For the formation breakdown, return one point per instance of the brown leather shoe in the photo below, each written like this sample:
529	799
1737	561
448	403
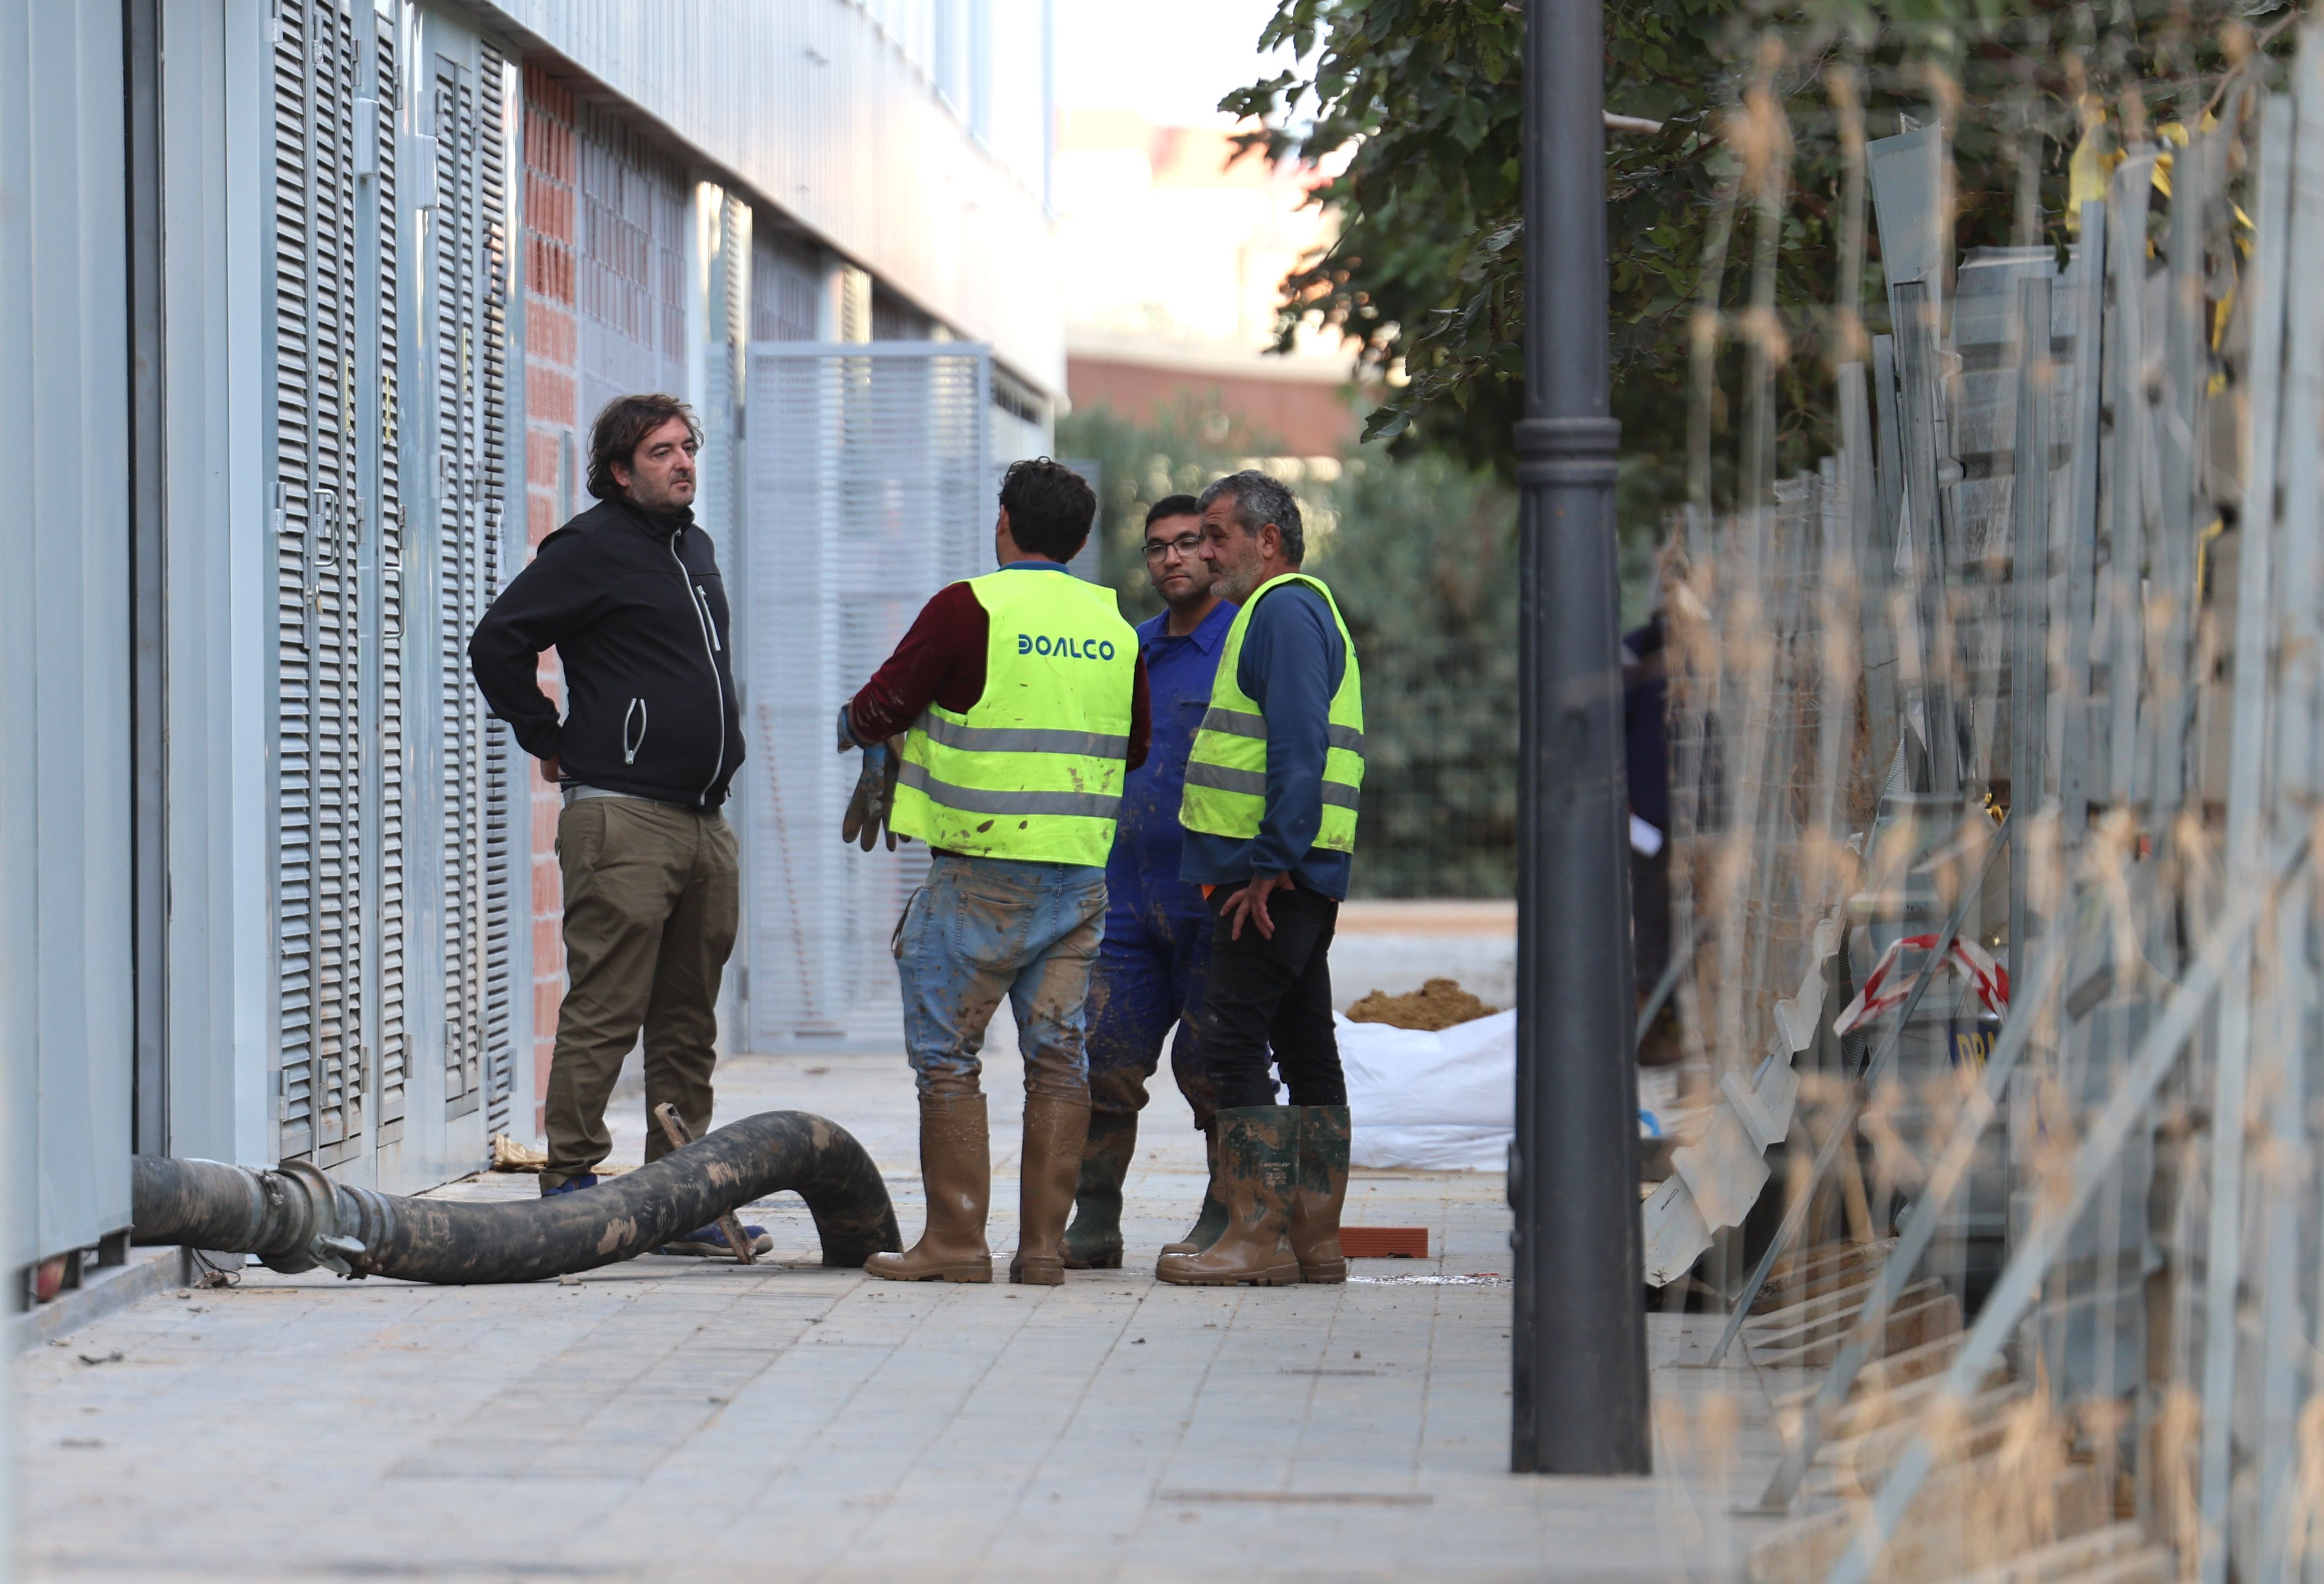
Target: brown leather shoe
1322	1189
1258	1161
957	1165
1055	1132
1093	1239
1212	1219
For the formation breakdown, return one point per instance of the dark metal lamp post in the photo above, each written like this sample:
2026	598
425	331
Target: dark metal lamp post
1579	1336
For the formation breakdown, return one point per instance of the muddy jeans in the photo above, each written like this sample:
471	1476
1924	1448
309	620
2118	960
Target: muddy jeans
652	895
981	928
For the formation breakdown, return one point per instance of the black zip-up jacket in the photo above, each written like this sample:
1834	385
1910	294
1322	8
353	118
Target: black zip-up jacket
633	606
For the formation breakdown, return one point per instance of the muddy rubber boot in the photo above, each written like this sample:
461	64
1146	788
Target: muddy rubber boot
1320	1190
1056	1130
1259	1163
957	1167
1093	1242
1212	1219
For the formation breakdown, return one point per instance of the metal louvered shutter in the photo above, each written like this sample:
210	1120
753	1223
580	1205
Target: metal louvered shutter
869	491
394	1063
469	266
317	517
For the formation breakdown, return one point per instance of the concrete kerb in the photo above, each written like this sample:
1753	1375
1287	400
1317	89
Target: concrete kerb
103	1290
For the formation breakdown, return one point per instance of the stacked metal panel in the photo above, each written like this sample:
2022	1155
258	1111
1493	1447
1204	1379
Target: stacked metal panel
869	491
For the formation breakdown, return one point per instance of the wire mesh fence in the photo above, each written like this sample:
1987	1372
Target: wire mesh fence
1995	765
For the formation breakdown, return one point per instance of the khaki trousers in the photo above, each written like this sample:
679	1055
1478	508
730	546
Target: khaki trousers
652	896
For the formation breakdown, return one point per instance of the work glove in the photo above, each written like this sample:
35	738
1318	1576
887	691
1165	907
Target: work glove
874	797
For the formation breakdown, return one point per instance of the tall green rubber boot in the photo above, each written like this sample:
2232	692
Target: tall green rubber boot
1093	1242
1212	1219
1321	1192
1259	1168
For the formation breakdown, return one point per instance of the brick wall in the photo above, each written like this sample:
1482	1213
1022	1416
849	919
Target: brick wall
554	453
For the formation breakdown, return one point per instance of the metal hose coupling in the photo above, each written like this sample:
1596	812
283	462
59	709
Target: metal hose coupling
297	1217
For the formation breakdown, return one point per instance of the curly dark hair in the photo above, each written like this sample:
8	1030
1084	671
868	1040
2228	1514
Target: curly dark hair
1050	508
624	422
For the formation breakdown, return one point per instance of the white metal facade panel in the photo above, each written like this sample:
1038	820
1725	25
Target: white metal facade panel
65	817
216	137
814	105
869	490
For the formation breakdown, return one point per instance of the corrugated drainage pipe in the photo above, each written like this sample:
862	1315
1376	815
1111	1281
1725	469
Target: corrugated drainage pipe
298	1216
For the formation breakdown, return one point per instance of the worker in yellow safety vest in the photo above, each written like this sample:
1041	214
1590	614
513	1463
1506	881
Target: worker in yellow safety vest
1270	816
1020	701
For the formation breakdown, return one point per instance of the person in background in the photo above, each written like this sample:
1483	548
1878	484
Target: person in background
629	595
1271	814
1645	730
1156	951
1021	703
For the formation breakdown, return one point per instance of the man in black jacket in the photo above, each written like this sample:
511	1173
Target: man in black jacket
629	595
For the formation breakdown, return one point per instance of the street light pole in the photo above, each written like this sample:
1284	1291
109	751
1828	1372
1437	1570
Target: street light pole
1580	1344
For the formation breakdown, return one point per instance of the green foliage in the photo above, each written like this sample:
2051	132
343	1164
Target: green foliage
1421	553
1417	105
1176	453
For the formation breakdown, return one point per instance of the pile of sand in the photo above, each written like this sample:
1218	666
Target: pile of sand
1438	1004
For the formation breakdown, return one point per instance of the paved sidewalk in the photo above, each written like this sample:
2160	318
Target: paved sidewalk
680	1420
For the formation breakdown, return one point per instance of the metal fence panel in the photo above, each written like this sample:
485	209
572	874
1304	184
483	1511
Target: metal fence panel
867	492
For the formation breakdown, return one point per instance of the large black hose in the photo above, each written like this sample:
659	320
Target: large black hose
298	1216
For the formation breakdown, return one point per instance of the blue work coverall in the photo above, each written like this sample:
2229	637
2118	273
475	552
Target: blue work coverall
1157	951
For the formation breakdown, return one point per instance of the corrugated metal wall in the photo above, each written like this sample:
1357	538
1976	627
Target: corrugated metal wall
65	1024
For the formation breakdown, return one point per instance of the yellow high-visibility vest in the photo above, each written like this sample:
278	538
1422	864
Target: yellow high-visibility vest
1226	774
1035	770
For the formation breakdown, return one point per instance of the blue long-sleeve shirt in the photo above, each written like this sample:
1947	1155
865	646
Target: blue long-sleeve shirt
1292	663
1149	844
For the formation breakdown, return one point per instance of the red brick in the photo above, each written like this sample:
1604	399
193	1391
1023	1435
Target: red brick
548	332
542	456
549	393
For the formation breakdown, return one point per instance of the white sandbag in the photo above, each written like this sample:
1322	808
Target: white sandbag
1442	1101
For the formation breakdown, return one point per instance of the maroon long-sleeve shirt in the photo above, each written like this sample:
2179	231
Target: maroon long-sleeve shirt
941	661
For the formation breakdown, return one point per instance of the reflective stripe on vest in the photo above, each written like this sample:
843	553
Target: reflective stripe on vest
1226	774
1033	772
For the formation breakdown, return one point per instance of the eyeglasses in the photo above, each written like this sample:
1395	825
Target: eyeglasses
1185	545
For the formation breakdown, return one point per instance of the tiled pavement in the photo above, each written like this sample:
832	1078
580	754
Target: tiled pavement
691	1420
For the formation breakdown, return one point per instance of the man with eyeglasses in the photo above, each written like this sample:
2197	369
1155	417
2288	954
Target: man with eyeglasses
1151	965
